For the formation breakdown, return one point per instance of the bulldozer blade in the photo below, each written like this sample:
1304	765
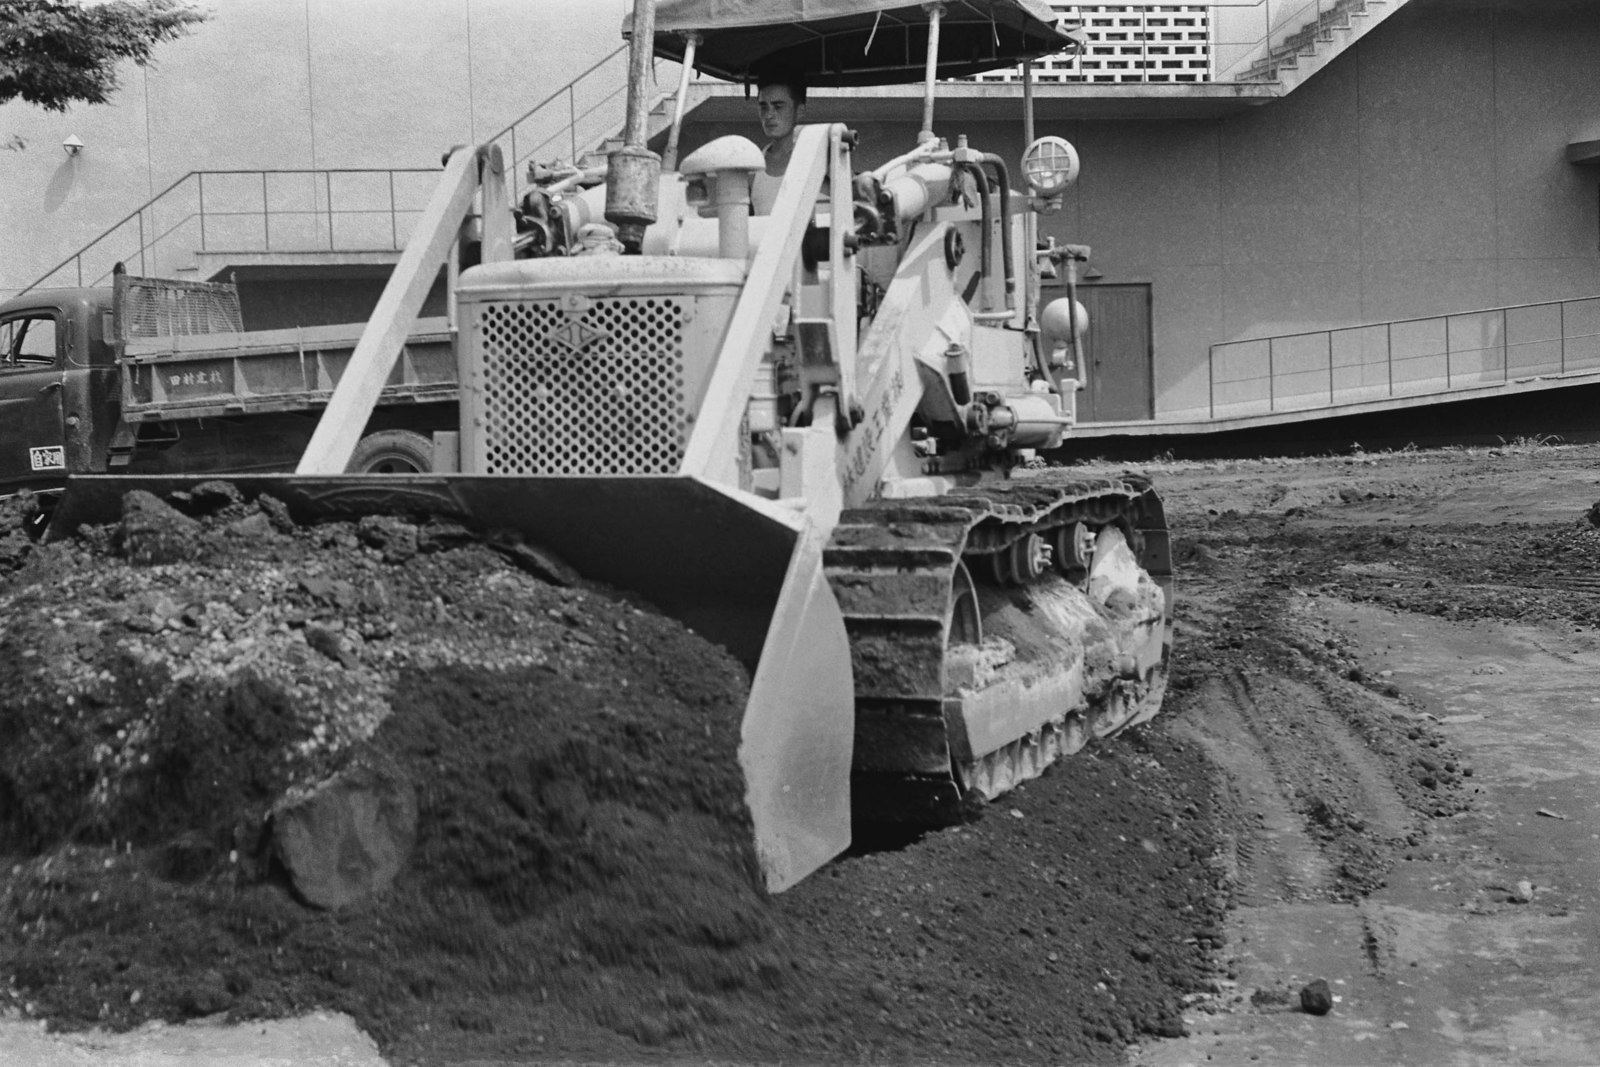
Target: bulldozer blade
738	570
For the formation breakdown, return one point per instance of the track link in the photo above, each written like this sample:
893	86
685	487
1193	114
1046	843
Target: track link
899	569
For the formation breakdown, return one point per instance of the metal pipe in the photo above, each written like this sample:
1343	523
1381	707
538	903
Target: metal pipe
1003	175
1330	367
1027	102
633	171
930	72
1272	392
1211	380
669	158
985	227
1388	353
641	47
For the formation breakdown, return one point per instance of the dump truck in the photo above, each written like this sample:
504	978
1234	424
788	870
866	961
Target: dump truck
158	375
811	435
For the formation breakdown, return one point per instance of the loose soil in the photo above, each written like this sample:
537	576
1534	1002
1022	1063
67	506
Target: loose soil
582	887
582	884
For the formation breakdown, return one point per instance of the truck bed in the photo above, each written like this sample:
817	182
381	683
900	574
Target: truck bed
208	375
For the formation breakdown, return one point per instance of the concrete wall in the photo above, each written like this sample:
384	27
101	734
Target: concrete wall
1423	171
288	84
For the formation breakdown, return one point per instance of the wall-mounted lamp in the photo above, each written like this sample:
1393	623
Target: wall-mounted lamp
72	145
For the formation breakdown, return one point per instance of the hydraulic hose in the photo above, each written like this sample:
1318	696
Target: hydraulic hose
1004	176
985	241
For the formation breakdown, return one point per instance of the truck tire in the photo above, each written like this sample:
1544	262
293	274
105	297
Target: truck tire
392	452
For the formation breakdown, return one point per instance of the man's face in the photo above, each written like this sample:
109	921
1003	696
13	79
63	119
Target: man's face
778	111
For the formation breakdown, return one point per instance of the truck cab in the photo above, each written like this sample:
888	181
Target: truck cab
57	386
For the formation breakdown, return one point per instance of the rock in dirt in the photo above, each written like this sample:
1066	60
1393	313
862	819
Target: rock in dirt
349	837
1316	998
153	531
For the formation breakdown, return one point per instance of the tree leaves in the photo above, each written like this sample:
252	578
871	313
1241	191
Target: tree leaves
54	53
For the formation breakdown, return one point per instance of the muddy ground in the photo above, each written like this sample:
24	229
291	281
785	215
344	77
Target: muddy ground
579	888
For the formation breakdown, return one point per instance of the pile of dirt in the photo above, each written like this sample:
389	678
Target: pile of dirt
582	882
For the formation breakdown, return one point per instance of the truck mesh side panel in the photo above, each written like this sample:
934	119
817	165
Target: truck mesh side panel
601	392
160	307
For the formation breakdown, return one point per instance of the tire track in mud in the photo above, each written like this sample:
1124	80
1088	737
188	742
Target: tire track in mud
1317	812
1272	857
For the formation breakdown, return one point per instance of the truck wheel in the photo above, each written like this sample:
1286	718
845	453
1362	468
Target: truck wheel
392	452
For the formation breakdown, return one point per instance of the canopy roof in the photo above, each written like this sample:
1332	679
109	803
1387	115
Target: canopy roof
854	42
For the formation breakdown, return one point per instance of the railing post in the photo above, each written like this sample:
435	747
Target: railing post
327	188
1330	368
266	215
143	269
514	167
1211	380
203	211
1272	385
572	122
394	226
1388	352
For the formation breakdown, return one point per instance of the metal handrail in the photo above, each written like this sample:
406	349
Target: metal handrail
144	249
1297	371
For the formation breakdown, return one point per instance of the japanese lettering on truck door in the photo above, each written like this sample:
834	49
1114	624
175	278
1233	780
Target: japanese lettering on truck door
32	436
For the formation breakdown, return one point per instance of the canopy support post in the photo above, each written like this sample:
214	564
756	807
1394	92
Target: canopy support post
935	13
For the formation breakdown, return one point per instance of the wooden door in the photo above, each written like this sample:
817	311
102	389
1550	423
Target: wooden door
1119	355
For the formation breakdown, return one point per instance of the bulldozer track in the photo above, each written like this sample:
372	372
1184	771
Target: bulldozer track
898	568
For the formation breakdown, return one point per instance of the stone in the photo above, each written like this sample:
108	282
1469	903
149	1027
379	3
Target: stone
331	643
253	527
395	539
1316	998
154	532
349	837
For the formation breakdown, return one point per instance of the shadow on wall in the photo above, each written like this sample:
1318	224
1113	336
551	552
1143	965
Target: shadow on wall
61	183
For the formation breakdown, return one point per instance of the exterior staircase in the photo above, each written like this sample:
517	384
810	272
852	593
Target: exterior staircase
1306	35
339	222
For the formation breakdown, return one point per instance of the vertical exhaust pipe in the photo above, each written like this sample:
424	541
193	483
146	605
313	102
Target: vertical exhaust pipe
633	171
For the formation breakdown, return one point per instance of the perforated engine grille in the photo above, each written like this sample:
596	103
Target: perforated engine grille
592	389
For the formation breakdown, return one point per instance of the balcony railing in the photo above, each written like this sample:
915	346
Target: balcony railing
331	210
1220	41
1407	357
254	212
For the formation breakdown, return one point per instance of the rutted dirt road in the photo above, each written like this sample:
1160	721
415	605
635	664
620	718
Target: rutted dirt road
1394	661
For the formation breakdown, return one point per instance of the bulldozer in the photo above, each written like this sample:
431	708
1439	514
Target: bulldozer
812	435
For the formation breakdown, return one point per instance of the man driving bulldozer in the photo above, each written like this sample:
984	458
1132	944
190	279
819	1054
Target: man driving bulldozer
780	105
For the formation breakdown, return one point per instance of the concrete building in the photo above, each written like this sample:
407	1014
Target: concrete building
1350	163
1438	157
283	85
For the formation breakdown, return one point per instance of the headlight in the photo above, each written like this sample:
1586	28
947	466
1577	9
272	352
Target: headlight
1050	165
